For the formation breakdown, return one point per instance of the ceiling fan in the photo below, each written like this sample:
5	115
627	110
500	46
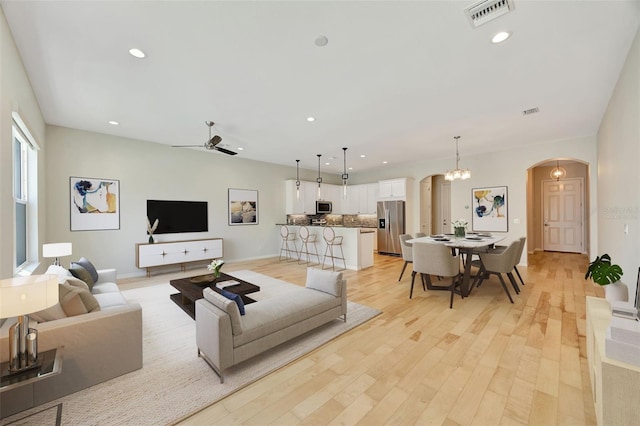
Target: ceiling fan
212	143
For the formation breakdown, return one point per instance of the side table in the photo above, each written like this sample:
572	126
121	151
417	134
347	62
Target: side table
16	391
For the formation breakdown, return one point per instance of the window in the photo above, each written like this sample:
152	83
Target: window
24	181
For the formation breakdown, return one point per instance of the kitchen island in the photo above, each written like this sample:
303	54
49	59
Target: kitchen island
357	245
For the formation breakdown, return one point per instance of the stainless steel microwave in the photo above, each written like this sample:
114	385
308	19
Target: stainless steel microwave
323	207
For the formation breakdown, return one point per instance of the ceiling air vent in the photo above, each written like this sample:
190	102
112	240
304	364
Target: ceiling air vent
484	11
530	111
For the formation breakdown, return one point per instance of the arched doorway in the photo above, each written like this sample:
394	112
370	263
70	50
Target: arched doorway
558	206
435	205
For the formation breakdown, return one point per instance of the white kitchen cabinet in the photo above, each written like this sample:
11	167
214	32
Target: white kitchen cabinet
372	198
305	203
393	189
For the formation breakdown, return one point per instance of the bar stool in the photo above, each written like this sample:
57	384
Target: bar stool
307	239
287	238
333	242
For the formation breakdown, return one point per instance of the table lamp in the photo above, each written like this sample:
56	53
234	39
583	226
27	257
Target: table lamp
20	296
56	250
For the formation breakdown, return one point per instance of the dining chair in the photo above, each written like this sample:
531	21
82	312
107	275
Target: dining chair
498	264
523	244
407	251
435	259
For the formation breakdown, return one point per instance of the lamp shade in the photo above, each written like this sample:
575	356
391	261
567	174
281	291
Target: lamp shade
56	250
23	295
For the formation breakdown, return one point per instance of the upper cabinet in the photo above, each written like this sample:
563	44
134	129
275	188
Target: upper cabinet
393	189
361	199
303	203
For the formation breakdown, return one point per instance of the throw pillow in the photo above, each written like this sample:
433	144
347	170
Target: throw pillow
325	281
76	301
80	272
76	282
89	267
236	298
62	273
50	314
225	305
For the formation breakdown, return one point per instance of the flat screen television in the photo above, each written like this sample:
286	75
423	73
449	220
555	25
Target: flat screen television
178	216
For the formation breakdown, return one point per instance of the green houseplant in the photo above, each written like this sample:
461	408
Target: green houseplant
602	272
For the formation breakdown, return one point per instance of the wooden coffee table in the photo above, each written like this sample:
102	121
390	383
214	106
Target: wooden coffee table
191	290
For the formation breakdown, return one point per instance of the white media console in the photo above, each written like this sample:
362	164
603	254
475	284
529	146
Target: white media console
177	253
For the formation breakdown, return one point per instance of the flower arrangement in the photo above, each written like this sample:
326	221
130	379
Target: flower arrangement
459	227
215	267
152	229
459	223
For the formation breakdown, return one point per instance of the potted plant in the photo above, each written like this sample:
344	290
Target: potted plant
602	272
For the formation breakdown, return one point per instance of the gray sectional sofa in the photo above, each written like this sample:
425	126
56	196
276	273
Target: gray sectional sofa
104	343
282	312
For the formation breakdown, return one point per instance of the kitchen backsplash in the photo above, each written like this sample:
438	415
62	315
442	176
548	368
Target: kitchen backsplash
356	220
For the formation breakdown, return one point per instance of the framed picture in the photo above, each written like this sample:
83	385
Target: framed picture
94	204
490	209
243	207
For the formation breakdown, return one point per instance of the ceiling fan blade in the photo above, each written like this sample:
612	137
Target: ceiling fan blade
186	146
214	140
226	151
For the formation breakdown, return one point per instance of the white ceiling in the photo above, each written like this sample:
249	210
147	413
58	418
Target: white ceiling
396	81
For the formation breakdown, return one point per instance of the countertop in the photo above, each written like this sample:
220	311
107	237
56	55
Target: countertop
372	229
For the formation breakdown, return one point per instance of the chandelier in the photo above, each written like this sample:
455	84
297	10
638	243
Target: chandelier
457	173
558	172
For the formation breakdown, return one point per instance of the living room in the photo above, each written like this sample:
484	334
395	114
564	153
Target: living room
149	170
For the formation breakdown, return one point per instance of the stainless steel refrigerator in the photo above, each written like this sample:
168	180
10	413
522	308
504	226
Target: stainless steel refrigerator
390	226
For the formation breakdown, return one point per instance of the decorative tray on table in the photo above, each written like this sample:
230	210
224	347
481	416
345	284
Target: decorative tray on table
203	279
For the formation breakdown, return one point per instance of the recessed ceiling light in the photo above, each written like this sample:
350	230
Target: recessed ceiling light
310	119
350	168
240	148
327	164
115	123
500	37
384	162
362	155
137	53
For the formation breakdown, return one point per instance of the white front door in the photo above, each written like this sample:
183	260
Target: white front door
562	205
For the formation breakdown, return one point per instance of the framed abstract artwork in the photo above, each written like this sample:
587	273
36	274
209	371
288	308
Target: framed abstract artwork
243	207
490	209
94	204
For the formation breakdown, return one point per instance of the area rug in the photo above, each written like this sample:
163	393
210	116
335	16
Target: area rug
174	382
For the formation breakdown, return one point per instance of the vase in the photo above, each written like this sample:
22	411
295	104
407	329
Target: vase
151	239
459	231
616	292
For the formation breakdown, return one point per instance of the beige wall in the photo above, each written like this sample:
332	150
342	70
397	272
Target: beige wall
152	171
16	95
619	171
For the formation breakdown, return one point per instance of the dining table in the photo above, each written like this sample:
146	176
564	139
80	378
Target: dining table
466	246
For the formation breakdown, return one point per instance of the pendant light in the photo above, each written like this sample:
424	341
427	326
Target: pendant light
319	179
558	172
345	176
457	173
297	179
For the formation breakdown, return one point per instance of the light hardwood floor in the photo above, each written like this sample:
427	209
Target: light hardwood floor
484	362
